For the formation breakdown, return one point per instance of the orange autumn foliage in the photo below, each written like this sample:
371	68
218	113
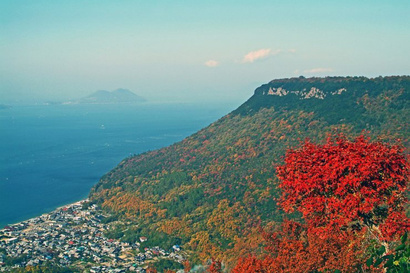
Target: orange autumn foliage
250	264
187	266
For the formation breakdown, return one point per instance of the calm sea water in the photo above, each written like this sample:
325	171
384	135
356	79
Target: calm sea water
52	155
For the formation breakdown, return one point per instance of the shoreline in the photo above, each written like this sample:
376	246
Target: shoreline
2	228
72	204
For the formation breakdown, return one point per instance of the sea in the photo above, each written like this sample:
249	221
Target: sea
51	155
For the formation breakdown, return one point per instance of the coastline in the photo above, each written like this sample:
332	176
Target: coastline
39	176
2	228
80	202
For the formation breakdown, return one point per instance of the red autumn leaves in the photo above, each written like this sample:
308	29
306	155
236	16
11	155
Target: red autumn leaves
343	182
351	195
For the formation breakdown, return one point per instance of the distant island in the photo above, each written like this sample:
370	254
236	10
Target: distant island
107	97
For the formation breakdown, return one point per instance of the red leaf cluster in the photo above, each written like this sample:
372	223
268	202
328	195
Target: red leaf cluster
215	267
351	195
342	183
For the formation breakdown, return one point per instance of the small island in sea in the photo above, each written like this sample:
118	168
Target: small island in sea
119	95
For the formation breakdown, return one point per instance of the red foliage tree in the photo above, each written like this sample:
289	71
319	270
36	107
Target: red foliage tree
187	266
342	184
294	249
250	264
151	270
351	196
215	267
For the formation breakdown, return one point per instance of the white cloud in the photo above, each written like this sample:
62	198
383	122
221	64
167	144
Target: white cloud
318	70
259	54
211	63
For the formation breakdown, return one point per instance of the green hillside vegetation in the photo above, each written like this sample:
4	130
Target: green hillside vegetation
212	191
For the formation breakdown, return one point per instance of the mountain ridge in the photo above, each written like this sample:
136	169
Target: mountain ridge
211	191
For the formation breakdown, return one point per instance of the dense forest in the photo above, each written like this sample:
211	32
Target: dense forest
213	191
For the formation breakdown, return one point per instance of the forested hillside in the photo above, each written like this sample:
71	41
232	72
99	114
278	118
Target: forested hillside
212	191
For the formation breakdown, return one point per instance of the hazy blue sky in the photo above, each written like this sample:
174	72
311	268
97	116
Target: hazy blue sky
170	50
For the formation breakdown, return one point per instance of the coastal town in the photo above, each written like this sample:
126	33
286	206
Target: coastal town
73	235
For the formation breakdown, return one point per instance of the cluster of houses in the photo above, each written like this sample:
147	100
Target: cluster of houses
74	235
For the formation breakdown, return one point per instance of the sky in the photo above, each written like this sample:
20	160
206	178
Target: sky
193	51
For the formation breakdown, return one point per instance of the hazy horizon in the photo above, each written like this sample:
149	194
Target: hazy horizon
195	52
